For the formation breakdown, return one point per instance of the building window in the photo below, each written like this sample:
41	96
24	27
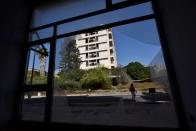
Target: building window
93	39
112	60
86	48
86	40
86	55
94	33
93	55
110	36
92	63
91	33
92	47
111	43
111	51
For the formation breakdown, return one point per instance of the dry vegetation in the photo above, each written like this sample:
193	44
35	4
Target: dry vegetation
120	88
146	85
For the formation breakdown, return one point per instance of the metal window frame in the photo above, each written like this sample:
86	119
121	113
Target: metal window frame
177	99
109	7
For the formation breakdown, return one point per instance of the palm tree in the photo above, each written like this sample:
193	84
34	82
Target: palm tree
42	54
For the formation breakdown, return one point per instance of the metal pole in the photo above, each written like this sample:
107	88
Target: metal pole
31	82
49	92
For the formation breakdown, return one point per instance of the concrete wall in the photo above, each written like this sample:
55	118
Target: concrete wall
179	21
104	49
13	28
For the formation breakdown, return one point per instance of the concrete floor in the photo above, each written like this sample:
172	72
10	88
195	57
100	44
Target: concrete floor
104	110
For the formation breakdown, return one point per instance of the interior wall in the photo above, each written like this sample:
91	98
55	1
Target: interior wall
179	23
13	32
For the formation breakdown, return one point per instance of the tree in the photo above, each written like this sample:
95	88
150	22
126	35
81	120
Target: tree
120	72
69	55
96	78
42	59
137	71
42	53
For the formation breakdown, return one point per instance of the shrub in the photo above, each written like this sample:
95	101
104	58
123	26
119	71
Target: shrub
71	85
72	74
40	80
69	79
96	79
37	80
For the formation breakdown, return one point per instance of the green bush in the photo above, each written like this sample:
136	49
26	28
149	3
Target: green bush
69	79
58	83
96	79
40	80
72	74
70	85
37	80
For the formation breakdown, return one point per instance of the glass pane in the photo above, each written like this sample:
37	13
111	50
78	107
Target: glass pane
117	1
110	17
63	9
114	76
41	34
34	106
37	70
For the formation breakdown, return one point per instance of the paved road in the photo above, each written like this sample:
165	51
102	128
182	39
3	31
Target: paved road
107	110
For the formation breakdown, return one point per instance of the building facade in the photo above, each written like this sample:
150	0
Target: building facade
97	49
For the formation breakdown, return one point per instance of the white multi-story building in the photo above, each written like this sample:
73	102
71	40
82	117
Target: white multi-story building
97	49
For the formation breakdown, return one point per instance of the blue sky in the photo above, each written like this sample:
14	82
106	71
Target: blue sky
133	42
129	50
136	42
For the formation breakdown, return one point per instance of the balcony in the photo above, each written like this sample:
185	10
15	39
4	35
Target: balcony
93	48
97	42
92	40
93	64
93	56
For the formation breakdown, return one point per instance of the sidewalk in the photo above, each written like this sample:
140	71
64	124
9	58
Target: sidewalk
122	95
